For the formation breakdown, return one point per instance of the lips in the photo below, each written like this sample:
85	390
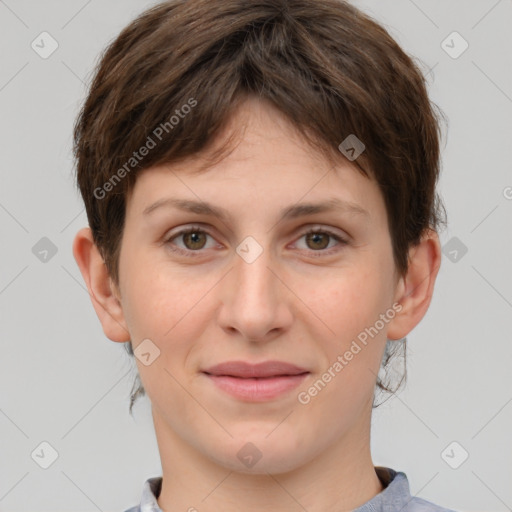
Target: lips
256	382
246	370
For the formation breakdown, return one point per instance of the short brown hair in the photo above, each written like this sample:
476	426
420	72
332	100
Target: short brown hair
329	68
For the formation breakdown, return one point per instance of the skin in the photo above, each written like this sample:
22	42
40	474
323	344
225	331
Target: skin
294	303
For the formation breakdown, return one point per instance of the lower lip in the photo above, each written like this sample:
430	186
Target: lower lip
257	389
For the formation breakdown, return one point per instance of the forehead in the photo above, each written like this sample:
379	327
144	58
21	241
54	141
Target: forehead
266	163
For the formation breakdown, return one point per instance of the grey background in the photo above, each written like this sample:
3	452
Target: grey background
64	383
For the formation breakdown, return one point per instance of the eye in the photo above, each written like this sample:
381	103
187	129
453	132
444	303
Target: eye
317	240
194	239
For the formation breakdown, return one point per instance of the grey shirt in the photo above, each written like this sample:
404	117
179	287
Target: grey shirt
396	497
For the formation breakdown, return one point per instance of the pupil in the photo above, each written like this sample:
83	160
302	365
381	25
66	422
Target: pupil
315	240
193	239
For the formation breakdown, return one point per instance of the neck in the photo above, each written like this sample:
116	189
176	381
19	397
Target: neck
341	478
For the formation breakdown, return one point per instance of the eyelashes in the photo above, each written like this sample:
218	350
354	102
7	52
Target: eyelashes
195	235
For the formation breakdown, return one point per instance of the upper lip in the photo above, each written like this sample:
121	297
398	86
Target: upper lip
248	370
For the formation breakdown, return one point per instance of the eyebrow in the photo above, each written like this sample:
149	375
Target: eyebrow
291	212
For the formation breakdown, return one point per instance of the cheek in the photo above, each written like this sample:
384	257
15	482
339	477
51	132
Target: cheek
351	305
151	298
348	300
168	306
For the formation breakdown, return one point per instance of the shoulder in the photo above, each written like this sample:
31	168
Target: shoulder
396	495
421	505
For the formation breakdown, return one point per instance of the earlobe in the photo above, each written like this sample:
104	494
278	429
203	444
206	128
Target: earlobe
101	287
414	291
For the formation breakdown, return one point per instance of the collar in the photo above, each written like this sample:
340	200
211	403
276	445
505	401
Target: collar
395	495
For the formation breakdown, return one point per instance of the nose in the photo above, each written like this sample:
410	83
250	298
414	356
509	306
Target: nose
256	301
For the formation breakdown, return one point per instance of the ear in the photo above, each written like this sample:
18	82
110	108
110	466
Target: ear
414	291
104	295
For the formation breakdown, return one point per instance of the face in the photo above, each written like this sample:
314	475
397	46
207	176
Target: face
246	285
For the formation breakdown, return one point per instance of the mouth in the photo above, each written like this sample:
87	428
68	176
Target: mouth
256	382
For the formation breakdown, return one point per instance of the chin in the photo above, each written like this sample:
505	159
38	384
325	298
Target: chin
258	454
